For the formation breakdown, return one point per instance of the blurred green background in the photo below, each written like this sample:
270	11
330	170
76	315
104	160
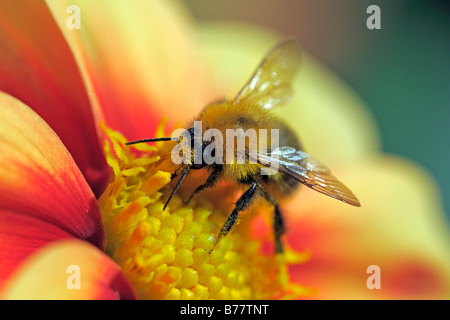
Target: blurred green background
402	71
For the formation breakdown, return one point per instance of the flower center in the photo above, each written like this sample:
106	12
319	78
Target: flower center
165	253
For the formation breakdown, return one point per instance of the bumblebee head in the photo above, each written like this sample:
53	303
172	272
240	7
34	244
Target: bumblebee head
197	147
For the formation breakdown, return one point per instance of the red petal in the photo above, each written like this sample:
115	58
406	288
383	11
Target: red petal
37	67
38	177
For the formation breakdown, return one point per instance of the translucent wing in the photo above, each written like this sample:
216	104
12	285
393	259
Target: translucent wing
308	171
270	85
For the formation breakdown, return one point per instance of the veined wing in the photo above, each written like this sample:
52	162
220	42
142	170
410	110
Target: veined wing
308	171
271	83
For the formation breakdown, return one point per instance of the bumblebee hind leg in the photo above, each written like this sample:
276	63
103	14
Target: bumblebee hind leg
241	204
279	229
278	223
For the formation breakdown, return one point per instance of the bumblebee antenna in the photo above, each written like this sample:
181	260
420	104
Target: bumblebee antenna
152	140
183	175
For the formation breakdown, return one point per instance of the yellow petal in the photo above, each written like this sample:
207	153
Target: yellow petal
400	227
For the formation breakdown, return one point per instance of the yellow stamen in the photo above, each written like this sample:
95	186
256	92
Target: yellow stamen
164	254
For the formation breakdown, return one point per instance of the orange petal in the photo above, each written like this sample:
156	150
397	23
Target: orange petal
138	60
20	236
37	67
400	227
69	269
38	177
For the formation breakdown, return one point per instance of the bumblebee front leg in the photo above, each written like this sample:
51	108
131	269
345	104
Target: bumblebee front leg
210	182
243	202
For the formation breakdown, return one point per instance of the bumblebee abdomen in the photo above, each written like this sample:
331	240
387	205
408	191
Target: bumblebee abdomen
241	172
279	185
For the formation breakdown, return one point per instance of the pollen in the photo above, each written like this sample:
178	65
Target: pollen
165	254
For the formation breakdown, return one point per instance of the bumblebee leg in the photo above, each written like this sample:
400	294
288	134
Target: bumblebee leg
210	182
278	223
183	175
243	202
279	229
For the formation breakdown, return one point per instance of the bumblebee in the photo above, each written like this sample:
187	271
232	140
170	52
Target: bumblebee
269	86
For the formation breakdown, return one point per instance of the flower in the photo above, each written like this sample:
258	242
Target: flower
128	66
165	253
46	206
